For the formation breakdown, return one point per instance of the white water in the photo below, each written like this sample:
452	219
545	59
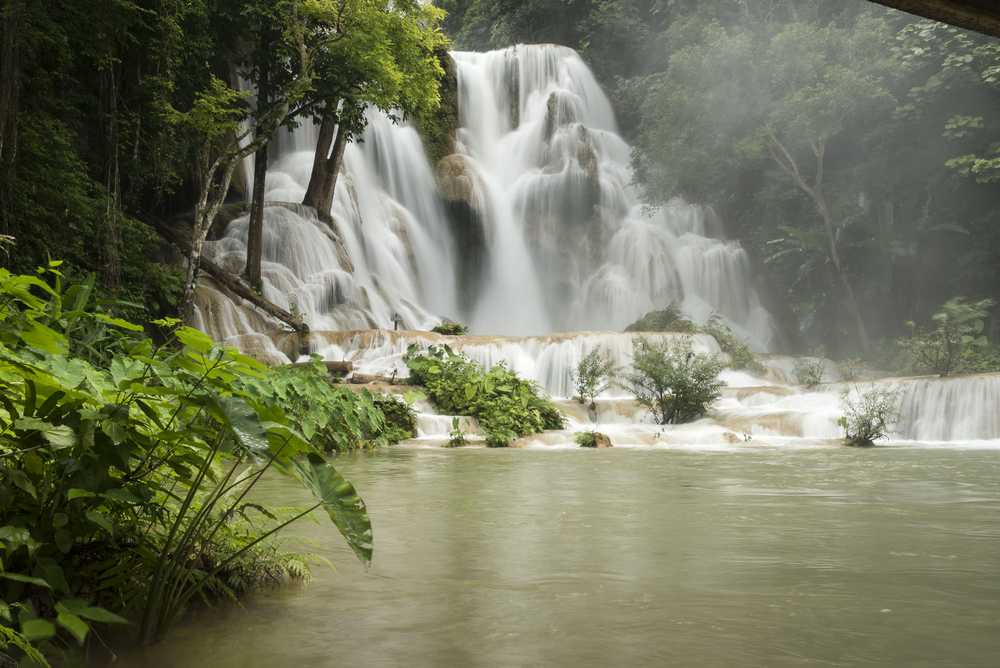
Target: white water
568	247
568	244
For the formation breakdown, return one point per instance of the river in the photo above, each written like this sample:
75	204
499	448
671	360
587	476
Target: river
763	557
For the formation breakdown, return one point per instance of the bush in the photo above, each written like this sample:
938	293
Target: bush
506	406
592	439
672	381
740	355
667	320
868	414
809	371
449	328
593	375
125	466
956	335
457	436
399	417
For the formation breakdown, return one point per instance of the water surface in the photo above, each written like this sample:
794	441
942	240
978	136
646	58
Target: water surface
823	557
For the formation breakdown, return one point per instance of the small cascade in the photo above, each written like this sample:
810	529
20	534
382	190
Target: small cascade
950	409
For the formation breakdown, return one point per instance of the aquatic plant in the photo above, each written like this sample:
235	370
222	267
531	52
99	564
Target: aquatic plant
594	374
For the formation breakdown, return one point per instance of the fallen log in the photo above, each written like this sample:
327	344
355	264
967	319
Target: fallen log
231	284
369	378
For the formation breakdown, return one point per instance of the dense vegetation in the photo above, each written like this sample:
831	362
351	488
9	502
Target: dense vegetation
851	148
126	122
506	406
127	465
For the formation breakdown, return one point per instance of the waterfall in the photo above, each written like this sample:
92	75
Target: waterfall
567	244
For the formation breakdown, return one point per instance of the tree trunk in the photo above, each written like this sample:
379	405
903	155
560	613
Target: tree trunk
255	233
326	169
10	75
327	132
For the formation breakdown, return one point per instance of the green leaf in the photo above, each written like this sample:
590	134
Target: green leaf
42	338
76	493
118	322
76	626
101	520
27	579
194	339
58	437
37	629
342	504
83	609
243	423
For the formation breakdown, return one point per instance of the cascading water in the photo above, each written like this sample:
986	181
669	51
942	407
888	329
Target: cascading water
567	244
563	245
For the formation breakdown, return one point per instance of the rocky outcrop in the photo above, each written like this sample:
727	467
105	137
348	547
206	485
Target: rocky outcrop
438	128
457	180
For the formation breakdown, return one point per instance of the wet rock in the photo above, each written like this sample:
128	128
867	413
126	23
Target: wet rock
457	180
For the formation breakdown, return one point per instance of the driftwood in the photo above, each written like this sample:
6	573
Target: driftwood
368	378
232	284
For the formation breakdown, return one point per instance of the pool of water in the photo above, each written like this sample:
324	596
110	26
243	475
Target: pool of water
821	557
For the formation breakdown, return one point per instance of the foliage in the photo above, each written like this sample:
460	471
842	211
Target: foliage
456	438
740	355
669	319
449	328
124	477
809	371
399	417
869	414
674	383
592	439
330	416
506	406
594	375
957	333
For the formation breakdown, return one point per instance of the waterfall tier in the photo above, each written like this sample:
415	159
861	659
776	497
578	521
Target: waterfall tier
550	234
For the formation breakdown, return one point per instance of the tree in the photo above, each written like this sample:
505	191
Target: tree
958	331
672	381
376	54
799	84
593	375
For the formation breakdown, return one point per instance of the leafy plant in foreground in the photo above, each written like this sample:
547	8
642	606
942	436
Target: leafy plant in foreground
672	381
122	479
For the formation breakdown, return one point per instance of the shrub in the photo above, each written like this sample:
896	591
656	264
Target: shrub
667	320
868	414
457	436
740	355
399	417
809	371
125	467
506	406
593	375
956	333
592	439
672	381
449	328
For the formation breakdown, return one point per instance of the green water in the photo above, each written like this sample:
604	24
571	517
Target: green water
837	557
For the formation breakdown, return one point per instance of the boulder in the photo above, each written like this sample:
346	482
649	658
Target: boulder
457	180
